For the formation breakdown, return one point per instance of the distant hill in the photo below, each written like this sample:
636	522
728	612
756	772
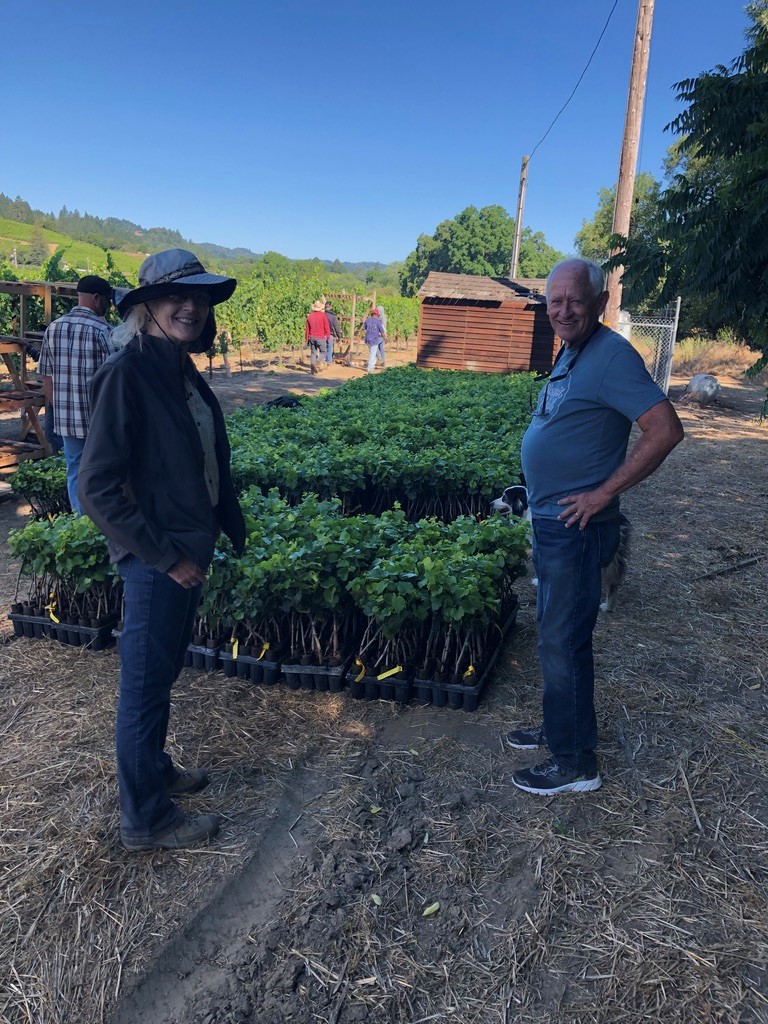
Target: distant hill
85	237
27	245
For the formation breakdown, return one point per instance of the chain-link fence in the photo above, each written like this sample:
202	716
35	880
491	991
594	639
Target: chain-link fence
656	331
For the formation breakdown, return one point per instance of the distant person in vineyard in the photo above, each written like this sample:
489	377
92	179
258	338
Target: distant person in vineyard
317	333
74	347
574	457
155	478
373	333
383	318
335	330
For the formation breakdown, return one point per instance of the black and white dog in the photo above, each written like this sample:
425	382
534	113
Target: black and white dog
514	502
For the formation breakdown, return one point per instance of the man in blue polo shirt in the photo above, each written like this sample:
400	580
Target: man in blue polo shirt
574	457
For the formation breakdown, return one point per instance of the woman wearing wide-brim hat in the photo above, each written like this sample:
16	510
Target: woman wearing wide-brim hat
155	478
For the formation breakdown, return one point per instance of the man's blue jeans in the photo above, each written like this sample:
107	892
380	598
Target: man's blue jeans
373	352
568	563
53	439
329	350
73	451
157	625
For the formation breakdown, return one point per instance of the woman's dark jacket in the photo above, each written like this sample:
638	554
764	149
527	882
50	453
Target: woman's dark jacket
141	476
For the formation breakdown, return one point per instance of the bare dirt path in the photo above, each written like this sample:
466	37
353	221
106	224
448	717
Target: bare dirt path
345	820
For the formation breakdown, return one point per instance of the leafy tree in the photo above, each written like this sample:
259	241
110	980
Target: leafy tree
476	242
712	227
385	279
9	304
53	269
37	250
593	240
112	273
536	257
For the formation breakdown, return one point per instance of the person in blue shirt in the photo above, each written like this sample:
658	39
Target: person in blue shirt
373	332
575	462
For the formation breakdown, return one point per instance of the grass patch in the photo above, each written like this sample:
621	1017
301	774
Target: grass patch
80	255
692	355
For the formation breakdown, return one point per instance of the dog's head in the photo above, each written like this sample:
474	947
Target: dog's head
514	501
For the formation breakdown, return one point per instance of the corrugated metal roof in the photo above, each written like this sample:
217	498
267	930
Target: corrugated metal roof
476	288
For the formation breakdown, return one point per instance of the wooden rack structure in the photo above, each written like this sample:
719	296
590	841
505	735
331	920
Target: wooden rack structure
18	390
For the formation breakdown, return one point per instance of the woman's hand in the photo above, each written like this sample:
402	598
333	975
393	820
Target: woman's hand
186	573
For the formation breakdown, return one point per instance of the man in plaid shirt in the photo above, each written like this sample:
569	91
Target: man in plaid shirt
74	347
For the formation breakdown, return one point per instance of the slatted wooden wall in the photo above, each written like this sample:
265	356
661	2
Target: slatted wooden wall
496	337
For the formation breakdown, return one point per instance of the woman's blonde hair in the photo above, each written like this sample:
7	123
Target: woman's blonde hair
134	324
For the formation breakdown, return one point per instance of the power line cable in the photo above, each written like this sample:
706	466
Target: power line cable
586	68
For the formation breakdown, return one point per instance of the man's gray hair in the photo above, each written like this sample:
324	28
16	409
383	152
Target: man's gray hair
589	268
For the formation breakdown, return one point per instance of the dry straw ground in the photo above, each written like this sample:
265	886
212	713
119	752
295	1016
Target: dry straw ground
344	821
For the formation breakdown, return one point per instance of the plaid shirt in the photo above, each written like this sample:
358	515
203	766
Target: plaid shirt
74	347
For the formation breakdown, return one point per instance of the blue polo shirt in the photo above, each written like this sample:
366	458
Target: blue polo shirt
578	435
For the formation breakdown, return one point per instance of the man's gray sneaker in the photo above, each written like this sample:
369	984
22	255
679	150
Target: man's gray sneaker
527	739
548	778
186	782
182	834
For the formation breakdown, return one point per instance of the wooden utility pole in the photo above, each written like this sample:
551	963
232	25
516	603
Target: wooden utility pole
519	218
625	186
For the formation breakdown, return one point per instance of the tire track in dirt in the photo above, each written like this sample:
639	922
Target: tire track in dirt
196	959
196	964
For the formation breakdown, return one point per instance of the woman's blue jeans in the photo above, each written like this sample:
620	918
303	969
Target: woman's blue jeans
568	564
158	618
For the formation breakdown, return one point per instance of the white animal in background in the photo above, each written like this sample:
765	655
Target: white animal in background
702	388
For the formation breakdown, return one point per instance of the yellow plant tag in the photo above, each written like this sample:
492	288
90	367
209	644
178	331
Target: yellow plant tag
51	607
235	648
264	650
470	672
361	673
391	672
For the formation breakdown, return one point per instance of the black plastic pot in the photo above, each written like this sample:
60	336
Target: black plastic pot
205	658
460	696
42	626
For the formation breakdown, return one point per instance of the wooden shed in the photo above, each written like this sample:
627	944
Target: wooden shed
484	323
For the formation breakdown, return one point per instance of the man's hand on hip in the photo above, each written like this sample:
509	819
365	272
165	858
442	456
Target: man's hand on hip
579	508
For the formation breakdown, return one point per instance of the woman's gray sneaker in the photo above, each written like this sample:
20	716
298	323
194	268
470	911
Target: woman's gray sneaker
190	781
182	834
527	739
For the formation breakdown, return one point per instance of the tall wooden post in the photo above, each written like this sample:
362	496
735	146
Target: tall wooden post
625	186
519	218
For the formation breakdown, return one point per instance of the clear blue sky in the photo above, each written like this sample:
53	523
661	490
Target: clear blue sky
337	129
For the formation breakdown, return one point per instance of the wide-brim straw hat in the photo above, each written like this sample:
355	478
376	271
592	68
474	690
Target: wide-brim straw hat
318	307
172	271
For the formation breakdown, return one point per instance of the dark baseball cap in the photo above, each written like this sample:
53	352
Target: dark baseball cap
92	284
